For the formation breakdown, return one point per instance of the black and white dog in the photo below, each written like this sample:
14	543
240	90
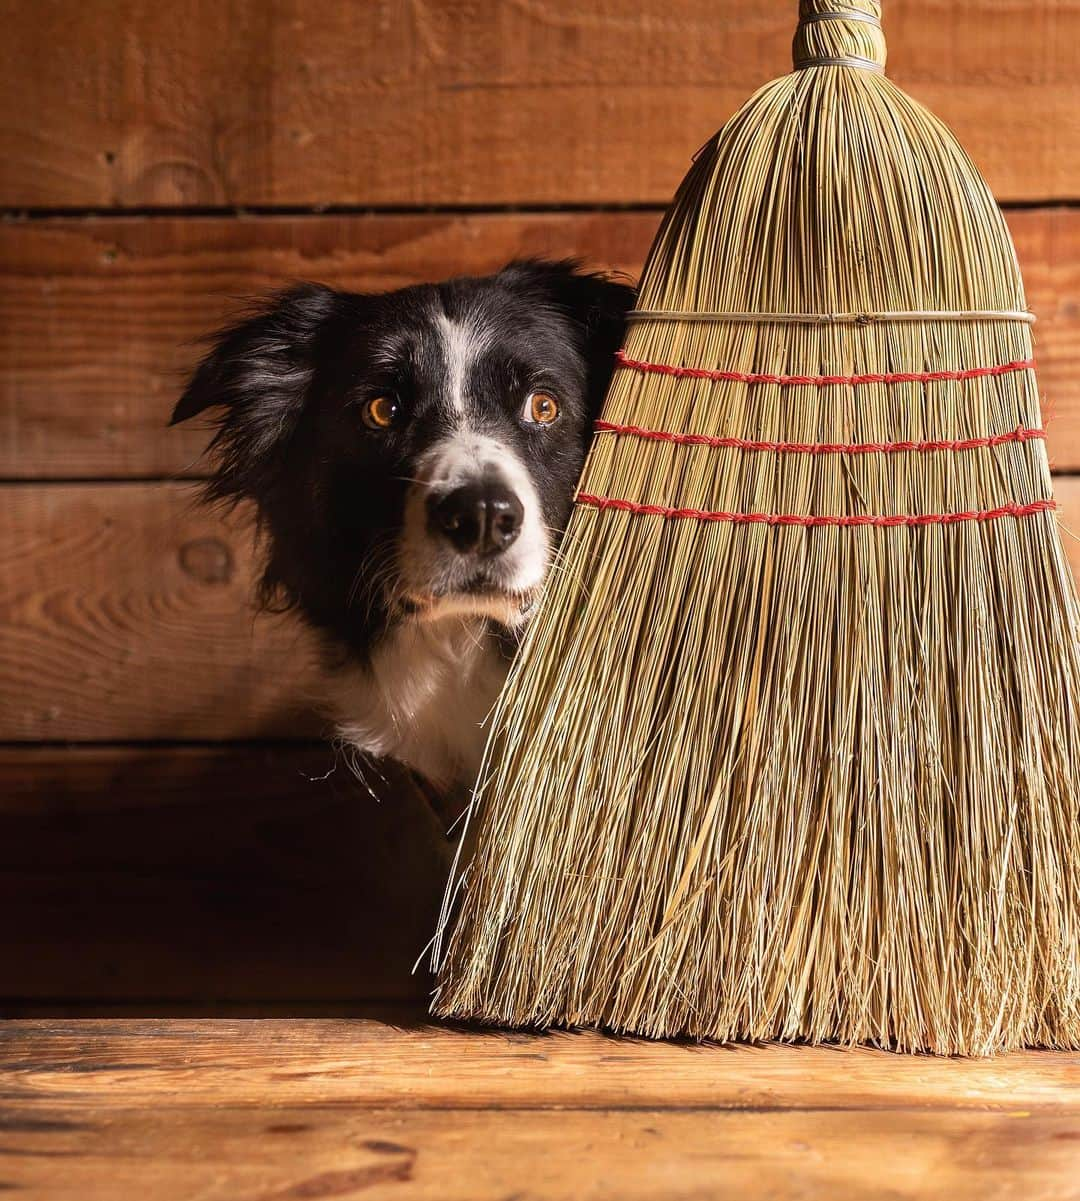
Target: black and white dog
412	458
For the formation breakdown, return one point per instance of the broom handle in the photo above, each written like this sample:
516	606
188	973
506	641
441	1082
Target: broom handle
839	33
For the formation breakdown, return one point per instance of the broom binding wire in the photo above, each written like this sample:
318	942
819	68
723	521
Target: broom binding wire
828	318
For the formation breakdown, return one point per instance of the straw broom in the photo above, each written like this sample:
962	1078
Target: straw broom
789	751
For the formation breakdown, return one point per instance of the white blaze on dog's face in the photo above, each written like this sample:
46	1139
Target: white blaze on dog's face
475	540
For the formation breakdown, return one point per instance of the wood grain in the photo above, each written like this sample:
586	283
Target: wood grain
99	318
292	1109
125	614
125	102
368	1063
211	876
96	1151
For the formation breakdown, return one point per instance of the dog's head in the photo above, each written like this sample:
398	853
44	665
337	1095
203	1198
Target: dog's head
411	454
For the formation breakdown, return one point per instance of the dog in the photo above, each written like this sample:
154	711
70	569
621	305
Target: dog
412	458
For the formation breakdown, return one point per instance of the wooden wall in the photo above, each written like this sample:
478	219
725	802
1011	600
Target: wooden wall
168	829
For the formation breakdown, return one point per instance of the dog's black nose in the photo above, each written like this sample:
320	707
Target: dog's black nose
481	518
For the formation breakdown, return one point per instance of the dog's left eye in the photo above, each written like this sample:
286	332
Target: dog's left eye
380	412
541	408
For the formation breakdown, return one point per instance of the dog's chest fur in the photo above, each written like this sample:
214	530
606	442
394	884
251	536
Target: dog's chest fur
424	697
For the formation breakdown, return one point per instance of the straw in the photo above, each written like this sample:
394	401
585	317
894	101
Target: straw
789	750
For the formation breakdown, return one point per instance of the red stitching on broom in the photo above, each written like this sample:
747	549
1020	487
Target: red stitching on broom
1020	434
629	506
821	381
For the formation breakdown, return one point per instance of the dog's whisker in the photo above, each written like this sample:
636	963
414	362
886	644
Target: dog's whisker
354	758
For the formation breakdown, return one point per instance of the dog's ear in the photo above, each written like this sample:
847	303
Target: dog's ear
258	371
596	303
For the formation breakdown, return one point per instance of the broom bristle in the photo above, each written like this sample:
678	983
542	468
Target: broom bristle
789	779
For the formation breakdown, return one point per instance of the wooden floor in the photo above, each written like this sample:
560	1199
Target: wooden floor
368	1107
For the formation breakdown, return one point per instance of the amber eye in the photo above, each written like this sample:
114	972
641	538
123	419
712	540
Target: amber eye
541	408
380	413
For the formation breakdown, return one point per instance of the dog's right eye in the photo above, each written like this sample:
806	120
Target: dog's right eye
541	408
380	412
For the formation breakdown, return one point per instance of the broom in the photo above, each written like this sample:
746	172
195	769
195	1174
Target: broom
789	750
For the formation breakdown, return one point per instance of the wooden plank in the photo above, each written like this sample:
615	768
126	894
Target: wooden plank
99	318
70	784
368	1063
123	102
1048	246
283	1153
212	876
125	613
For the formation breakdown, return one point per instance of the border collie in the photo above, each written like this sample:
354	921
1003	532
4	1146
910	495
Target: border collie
412	458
